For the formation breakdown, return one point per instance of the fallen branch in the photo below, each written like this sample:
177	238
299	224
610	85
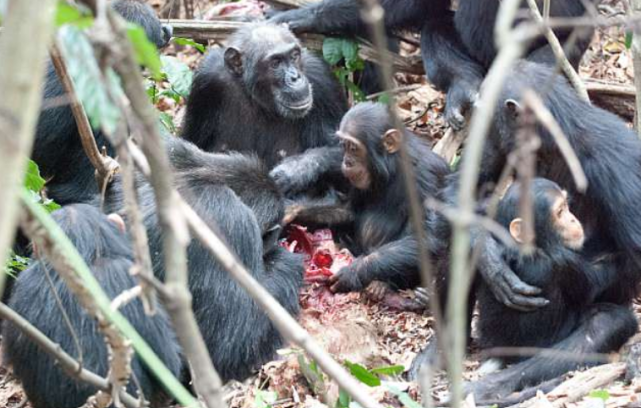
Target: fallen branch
219	30
578	386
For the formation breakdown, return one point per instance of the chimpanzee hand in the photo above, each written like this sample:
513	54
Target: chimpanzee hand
508	288
460	98
422	296
298	20
295	174
347	279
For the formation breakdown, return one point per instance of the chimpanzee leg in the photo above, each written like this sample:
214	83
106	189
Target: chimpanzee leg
604	328
432	353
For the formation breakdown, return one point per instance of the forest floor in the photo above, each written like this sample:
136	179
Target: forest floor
353	327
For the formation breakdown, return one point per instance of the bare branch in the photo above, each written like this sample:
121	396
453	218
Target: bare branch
557	49
70	366
21	79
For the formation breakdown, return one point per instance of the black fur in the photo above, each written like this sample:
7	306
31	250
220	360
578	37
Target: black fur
108	253
380	228
228	111
57	148
235	196
457	47
571	322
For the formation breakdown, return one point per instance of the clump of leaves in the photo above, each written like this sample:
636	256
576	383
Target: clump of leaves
337	50
179	77
370	377
265	399
35	184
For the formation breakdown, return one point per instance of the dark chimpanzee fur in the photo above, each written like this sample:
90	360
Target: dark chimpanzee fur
378	215
267	95
234	195
566	323
57	148
457	46
610	155
107	252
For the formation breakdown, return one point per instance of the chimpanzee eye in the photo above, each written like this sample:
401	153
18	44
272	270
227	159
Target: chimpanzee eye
296	55
274	63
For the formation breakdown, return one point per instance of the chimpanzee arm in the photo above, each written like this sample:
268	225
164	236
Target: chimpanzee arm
507	287
343	16
320	216
448	65
395	263
297	173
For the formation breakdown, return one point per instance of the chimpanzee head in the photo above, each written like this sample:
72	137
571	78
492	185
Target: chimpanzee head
269	62
553	89
370	144
142	14
554	224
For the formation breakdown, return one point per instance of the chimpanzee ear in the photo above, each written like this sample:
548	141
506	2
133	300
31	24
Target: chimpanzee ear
513	107
392	140
516	230
234	60
117	220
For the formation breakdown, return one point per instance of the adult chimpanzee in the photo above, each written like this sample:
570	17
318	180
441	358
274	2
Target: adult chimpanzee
568	280
57	148
378	208
457	46
41	296
264	93
608	210
234	195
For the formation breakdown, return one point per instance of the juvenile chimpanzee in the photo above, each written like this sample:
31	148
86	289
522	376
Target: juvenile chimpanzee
266	94
457	46
41	296
570	283
378	209
57	147
235	196
610	155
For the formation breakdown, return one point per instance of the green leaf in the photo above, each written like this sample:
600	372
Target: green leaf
600	394
363	375
32	180
388	370
167	121
265	399
385	98
629	35
403	397
146	52
178	74
355	65
190	42
343	399
86	75
350	51
68	14
332	50
359	95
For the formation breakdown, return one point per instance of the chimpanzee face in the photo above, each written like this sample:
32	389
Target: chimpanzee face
273	72
560	227
566	224
355	159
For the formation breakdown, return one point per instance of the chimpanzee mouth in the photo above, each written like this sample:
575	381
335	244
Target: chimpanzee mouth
295	106
298	106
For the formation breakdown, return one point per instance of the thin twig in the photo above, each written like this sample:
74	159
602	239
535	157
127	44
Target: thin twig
557	49
68	364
